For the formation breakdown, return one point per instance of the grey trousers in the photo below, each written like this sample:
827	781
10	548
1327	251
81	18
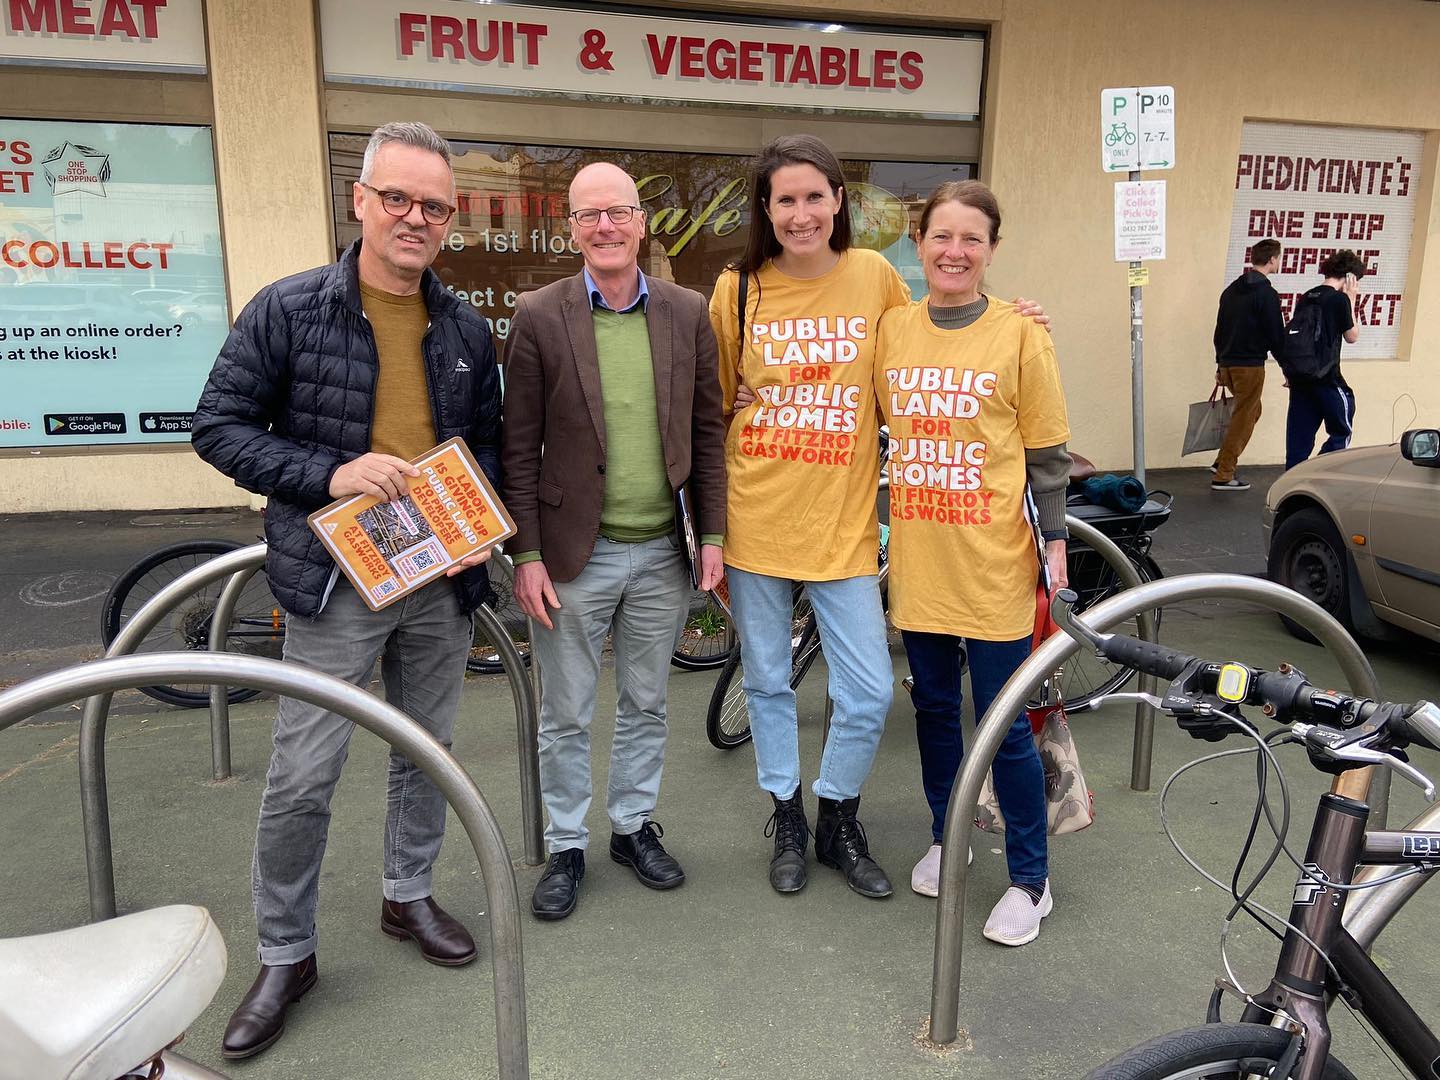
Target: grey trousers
422	642
639	594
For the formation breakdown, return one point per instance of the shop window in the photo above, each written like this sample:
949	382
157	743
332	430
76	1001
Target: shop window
696	209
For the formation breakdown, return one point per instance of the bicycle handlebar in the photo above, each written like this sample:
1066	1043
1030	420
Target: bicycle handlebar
1283	693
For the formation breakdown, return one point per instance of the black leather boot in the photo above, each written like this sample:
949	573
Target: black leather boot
840	842
792	833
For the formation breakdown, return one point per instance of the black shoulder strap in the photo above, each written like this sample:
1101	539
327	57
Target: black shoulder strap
744	290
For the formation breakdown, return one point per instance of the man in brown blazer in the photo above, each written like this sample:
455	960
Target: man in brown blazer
612	402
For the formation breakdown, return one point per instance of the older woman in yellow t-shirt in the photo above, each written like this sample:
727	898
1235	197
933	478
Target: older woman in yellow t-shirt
971	391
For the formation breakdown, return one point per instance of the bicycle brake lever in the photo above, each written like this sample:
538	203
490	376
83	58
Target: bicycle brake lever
1127	698
1332	745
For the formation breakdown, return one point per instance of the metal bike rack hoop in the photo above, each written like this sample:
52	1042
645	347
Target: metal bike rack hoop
220	620
526	714
94	796
104	677
990	733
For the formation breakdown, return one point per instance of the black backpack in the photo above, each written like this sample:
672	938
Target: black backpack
1306	353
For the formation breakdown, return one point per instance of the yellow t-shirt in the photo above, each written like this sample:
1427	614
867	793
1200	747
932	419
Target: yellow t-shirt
963	405
803	458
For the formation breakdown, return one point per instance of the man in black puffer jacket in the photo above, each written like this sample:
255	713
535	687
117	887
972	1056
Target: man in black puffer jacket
329	383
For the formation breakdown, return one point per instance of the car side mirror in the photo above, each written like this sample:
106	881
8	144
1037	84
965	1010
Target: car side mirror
1422	447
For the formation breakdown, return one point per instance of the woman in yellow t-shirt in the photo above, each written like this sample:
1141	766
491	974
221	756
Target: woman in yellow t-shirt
803	469
971	392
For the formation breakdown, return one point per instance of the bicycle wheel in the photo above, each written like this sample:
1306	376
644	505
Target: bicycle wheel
706	640
727	720
1208	1052
484	656
258	628
1087	677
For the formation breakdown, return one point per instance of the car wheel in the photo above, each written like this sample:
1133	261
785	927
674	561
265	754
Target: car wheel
1307	555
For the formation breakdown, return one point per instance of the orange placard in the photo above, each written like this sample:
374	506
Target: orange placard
389	548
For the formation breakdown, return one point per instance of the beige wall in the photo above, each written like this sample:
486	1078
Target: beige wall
1048	66
1048	61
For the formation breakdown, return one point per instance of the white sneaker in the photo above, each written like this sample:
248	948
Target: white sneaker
925	878
1015	920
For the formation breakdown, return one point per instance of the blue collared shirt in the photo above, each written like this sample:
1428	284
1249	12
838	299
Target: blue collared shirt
597	299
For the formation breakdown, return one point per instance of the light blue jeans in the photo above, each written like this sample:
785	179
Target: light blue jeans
639	594
852	636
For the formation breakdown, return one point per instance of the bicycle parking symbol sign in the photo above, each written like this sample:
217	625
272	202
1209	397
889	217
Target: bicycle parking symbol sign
1137	128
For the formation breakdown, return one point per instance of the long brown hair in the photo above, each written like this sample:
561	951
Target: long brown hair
761	245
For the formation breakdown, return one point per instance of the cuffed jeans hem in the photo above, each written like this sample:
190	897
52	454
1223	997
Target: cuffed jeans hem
829	791
406	890
574	843
280	955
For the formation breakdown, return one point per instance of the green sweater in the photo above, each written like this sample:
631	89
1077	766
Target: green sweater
639	504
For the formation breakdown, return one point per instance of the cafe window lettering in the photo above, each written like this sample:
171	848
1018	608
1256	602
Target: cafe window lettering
510	233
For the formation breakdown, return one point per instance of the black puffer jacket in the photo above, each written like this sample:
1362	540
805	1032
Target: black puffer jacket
291	399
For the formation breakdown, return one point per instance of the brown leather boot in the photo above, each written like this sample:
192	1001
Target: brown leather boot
260	1019
441	938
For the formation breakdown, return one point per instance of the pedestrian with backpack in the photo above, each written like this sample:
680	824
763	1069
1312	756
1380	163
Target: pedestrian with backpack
1323	317
1248	325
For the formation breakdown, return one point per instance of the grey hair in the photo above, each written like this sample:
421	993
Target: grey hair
406	133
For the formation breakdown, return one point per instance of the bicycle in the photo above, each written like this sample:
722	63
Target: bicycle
1284	1032
258	628
1119	133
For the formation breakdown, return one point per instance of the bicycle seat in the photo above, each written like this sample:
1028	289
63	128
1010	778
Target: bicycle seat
94	1002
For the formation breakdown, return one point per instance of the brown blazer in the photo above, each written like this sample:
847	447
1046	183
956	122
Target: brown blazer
553	441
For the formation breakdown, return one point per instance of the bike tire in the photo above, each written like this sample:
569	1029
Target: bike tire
707	638
1207	1052
484	658
261	622
1086	677
727	719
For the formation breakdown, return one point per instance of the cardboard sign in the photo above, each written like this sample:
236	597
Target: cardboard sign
388	549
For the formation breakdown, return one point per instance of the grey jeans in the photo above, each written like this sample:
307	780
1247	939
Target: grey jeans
422	642
639	594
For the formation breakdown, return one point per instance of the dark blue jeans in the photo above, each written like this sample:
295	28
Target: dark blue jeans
1332	403
1019	776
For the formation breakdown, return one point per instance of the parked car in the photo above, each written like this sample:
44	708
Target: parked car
1358	531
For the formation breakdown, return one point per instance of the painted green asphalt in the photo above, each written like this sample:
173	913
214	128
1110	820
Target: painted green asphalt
721	978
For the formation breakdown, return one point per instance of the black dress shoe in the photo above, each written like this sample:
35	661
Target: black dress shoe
260	1019
792	833
441	938
840	842
558	887
641	851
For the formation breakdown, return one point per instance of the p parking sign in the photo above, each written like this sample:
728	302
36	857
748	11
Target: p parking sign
1137	128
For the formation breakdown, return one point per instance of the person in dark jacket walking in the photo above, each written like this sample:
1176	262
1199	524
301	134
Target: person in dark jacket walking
329	383
1327	398
1247	326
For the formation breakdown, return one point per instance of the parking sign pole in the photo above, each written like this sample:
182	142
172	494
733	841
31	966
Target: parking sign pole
1137	364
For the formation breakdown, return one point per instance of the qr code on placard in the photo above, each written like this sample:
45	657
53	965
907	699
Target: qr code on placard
420	560
385	588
